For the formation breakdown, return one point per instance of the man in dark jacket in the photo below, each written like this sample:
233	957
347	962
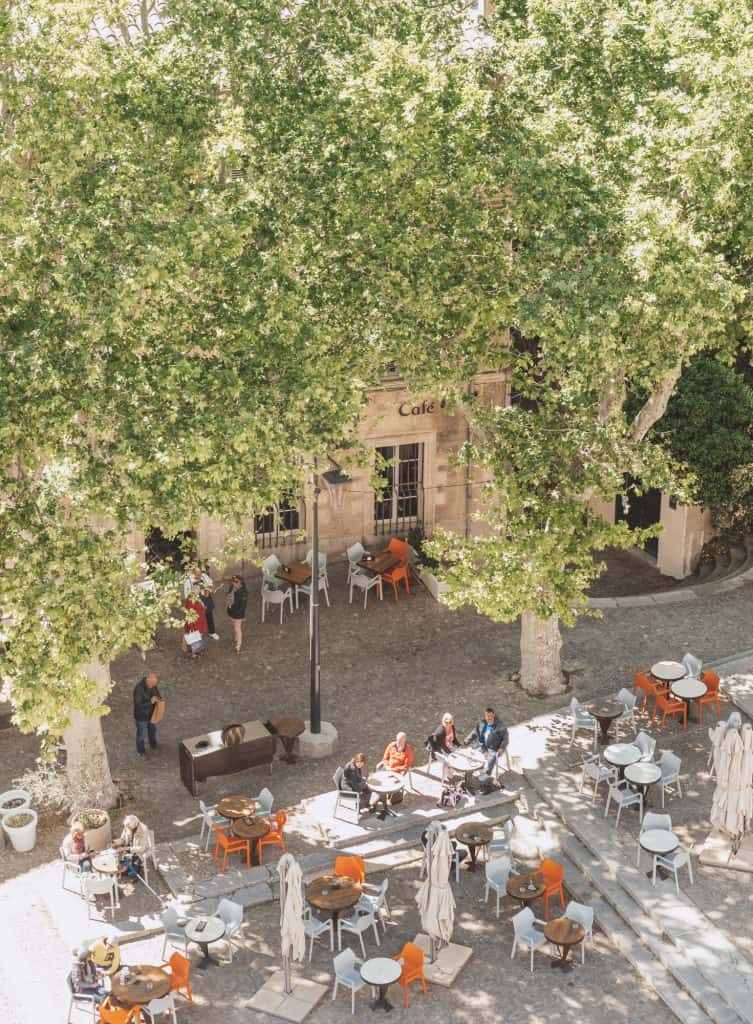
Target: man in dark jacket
492	736
145	696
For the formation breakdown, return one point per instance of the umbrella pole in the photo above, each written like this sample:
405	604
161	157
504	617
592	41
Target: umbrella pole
287	982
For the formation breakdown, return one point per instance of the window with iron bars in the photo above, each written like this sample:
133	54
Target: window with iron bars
400	505
279	523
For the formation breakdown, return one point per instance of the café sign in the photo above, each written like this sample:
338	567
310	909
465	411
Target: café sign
426	407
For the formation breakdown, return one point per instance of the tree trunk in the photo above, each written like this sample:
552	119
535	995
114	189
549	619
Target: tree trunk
540	644
87	766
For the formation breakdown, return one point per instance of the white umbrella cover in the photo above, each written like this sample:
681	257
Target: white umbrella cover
746	775
725	807
292	931
434	898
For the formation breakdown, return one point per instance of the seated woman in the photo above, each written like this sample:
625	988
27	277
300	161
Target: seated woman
132	843
74	847
86	977
354	781
445	738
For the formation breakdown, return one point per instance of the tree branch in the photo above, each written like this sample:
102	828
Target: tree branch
655	405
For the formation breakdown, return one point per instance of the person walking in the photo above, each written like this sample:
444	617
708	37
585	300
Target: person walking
145	696
237	601
200	584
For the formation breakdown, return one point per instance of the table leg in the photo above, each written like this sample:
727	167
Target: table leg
382	1003
288	743
472	851
207	960
562	960
604	724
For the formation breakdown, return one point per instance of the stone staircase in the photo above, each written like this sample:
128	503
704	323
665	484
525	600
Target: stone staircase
723	563
691	964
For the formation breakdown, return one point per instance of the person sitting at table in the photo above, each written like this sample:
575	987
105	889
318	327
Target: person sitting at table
106	956
444	738
354	781
398	757
132	843
492	736
74	847
86	978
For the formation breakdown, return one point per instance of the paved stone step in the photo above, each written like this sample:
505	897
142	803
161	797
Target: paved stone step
670	967
722	568
624	939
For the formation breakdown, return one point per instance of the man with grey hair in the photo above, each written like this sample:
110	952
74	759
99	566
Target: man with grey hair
398	757
132	843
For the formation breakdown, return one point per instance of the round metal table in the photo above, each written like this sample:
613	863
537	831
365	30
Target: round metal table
668	671
620	755
689	690
467	761
385	783
381	972
212	930
642	775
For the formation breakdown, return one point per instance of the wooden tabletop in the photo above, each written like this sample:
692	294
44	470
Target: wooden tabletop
382	561
606	708
331	892
473	833
298	573
250	828
288	726
517	887
236	806
564	932
107	862
144	984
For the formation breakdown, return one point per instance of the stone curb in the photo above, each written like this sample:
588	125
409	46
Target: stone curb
678	596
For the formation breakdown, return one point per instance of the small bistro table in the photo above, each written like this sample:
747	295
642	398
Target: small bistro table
294	573
288	729
473	835
381	972
642	775
668	671
251	829
379	561
689	690
605	712
467	761
213	929
333	893
526	888
658	841
564	933
143	984
620	755
385	783
236	806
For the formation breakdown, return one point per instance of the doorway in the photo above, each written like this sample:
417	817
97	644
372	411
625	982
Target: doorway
643	510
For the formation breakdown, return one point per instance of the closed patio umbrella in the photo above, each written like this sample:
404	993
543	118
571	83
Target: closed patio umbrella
434	898
292	930
727	811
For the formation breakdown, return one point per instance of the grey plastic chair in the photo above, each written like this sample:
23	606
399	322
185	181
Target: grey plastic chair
264	801
270	566
670	765
346	966
359	922
585	917
671	862
498	871
305	588
596	772
344	797
692	665
580	719
365	583
646	744
627	718
525	934
232	914
652	820
354	553
374	898
314	927
623	796
86	1001
209	817
273	596
175	932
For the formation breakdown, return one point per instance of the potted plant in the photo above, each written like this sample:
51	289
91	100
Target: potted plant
14	800
425	564
97	827
21	828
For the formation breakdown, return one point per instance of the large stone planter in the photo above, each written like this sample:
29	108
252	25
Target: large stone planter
99	838
23	835
432	584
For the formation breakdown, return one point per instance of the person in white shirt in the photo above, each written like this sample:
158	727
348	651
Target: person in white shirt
200	582
132	842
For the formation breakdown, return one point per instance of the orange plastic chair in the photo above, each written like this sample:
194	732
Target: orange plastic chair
274	837
399	548
552	873
642	683
668	706
711	679
413	968
111	1014
230	844
351	867
180	969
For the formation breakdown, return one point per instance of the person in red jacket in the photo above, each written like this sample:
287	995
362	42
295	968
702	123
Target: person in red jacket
398	756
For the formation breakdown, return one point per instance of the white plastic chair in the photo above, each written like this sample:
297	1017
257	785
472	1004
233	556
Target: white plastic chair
358	922
209	817
175	932
652	820
585	917
270	596
497	873
85	1001
232	914
354	553
345	797
525	934
623	796
501	838
671	862
99	885
692	665
71	868
627	718
670	765
580	719
365	583
646	744
314	927
165	1004
346	966
374	899
270	566
264	802
305	588
149	854
596	772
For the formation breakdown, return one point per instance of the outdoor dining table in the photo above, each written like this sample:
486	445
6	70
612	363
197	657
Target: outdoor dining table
642	775
689	690
473	835
288	729
564	933
381	972
385	783
526	888
658	841
467	761
141	984
236	806
252	829
605	712
379	561
202	931
294	573
620	755
668	671
333	893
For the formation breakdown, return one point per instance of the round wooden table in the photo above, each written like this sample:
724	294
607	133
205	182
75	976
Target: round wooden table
251	829
473	835
605	712
564	933
143	984
288	729
236	806
334	894
213	929
381	971
107	862
620	755
526	888
668	671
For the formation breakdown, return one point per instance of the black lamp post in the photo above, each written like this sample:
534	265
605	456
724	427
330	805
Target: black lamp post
334	478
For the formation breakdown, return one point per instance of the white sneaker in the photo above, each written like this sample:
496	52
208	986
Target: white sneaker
215	636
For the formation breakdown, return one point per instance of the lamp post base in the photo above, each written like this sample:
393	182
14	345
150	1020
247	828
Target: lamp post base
320	744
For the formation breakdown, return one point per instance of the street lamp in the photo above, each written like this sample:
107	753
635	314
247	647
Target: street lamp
333	478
